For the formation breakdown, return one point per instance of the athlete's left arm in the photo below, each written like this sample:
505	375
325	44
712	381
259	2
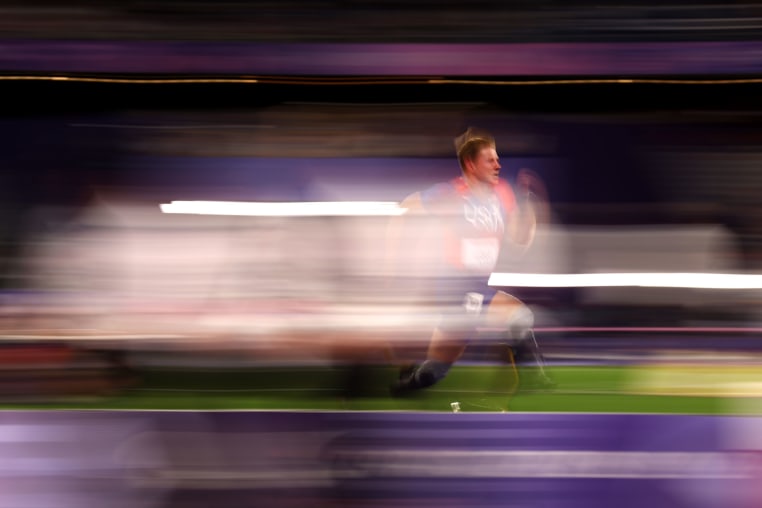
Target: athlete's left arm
531	208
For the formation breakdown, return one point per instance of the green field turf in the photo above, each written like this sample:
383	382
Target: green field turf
612	389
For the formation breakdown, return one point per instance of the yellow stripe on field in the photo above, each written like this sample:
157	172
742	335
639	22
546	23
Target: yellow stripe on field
696	380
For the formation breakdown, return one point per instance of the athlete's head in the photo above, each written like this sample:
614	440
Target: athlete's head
477	155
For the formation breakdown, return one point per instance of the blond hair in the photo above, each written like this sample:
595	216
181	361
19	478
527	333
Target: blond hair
470	143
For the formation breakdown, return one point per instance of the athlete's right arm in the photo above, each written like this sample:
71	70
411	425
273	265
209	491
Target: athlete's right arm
397	235
412	204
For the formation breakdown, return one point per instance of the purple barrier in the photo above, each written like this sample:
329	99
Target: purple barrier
374	59
188	459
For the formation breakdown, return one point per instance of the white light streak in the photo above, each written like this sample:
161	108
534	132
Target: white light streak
421	463
285	209
651	280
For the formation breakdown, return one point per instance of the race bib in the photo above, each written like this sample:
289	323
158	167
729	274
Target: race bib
479	254
473	303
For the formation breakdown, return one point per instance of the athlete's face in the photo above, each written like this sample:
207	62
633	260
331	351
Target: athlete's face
485	167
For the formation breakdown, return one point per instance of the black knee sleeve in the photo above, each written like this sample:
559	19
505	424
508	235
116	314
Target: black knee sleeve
430	372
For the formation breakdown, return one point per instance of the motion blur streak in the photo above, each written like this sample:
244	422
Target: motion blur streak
303	209
244	359
654	280
152	459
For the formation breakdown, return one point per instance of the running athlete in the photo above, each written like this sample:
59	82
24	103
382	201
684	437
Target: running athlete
476	214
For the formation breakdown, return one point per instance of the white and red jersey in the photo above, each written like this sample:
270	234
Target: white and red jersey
474	227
